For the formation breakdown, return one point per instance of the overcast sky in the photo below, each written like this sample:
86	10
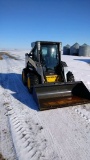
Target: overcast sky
25	21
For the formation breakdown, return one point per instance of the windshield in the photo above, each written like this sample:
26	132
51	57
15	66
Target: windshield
49	55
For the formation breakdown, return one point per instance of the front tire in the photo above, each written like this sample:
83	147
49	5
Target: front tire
36	80
32	80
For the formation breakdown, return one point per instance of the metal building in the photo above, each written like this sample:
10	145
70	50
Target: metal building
84	50
66	50
74	50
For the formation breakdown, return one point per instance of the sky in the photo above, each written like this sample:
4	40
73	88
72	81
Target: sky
25	21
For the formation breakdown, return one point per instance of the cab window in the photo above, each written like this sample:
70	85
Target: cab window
35	54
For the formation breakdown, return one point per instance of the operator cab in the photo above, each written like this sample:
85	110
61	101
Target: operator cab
47	53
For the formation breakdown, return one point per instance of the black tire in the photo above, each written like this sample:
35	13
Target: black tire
63	64
32	80
70	77
36	80
61	70
24	76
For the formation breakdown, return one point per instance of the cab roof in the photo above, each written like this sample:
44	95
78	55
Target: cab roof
44	42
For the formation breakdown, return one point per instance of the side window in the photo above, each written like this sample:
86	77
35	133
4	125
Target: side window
35	54
44	51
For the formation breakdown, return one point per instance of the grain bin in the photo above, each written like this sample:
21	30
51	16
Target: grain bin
66	50
84	50
74	50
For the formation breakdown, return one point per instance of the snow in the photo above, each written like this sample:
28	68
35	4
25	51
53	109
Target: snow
27	133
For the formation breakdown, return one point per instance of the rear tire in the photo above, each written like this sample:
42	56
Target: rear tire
63	64
24	76
70	77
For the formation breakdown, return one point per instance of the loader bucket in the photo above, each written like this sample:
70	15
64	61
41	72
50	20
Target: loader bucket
56	95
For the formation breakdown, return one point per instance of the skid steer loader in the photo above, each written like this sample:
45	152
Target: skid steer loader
48	78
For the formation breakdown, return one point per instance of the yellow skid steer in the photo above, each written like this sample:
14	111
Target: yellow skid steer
48	78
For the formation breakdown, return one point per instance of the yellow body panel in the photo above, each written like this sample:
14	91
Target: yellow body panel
53	78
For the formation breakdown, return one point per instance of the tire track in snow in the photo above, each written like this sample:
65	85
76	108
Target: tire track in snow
28	135
84	112
70	135
24	139
6	144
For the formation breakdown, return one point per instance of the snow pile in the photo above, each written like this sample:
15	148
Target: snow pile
7	151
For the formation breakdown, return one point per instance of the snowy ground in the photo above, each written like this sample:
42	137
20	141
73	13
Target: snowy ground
28	134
